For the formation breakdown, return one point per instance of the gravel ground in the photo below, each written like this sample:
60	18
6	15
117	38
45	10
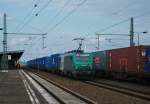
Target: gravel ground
142	88
99	95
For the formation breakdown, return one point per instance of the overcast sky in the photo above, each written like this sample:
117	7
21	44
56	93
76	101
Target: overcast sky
64	20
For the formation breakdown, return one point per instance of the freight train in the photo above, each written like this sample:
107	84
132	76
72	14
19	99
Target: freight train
123	63
71	63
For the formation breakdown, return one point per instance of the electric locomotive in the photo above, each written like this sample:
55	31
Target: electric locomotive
71	63
76	64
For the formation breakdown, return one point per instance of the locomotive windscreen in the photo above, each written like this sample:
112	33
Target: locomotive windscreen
83	58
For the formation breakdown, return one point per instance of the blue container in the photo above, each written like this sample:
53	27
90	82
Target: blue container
31	63
37	63
42	63
53	62
148	60
48	63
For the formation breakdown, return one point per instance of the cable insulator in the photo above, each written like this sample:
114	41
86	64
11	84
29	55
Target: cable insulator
35	5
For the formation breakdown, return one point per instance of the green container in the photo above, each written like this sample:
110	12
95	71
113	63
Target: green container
100	60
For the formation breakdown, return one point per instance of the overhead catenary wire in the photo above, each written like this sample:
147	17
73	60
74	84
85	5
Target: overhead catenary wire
58	13
43	7
115	44
34	15
92	44
142	15
26	23
108	40
38	1
18	37
29	25
24	19
113	25
34	43
65	17
31	46
28	15
19	42
115	13
135	17
124	8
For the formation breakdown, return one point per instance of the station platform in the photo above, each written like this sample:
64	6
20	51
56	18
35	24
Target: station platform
15	89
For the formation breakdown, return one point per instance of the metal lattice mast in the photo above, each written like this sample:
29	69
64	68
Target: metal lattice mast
132	33
98	42
4	61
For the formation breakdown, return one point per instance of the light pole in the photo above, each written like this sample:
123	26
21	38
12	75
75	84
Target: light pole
138	33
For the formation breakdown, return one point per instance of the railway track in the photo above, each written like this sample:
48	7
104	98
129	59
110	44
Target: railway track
128	91
79	98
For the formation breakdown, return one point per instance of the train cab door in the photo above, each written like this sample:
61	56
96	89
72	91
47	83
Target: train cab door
123	65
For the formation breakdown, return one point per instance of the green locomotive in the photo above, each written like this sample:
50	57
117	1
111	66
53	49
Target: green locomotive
76	64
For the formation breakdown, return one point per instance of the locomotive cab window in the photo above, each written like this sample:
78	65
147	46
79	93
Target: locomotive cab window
82	58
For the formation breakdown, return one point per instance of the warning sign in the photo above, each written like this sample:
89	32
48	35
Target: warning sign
97	60
9	57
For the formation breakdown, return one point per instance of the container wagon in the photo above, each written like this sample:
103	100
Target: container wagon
128	61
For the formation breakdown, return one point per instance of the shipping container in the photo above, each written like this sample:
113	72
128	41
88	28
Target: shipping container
36	64
39	63
148	61
48	63
129	60
100	60
53	62
44	59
